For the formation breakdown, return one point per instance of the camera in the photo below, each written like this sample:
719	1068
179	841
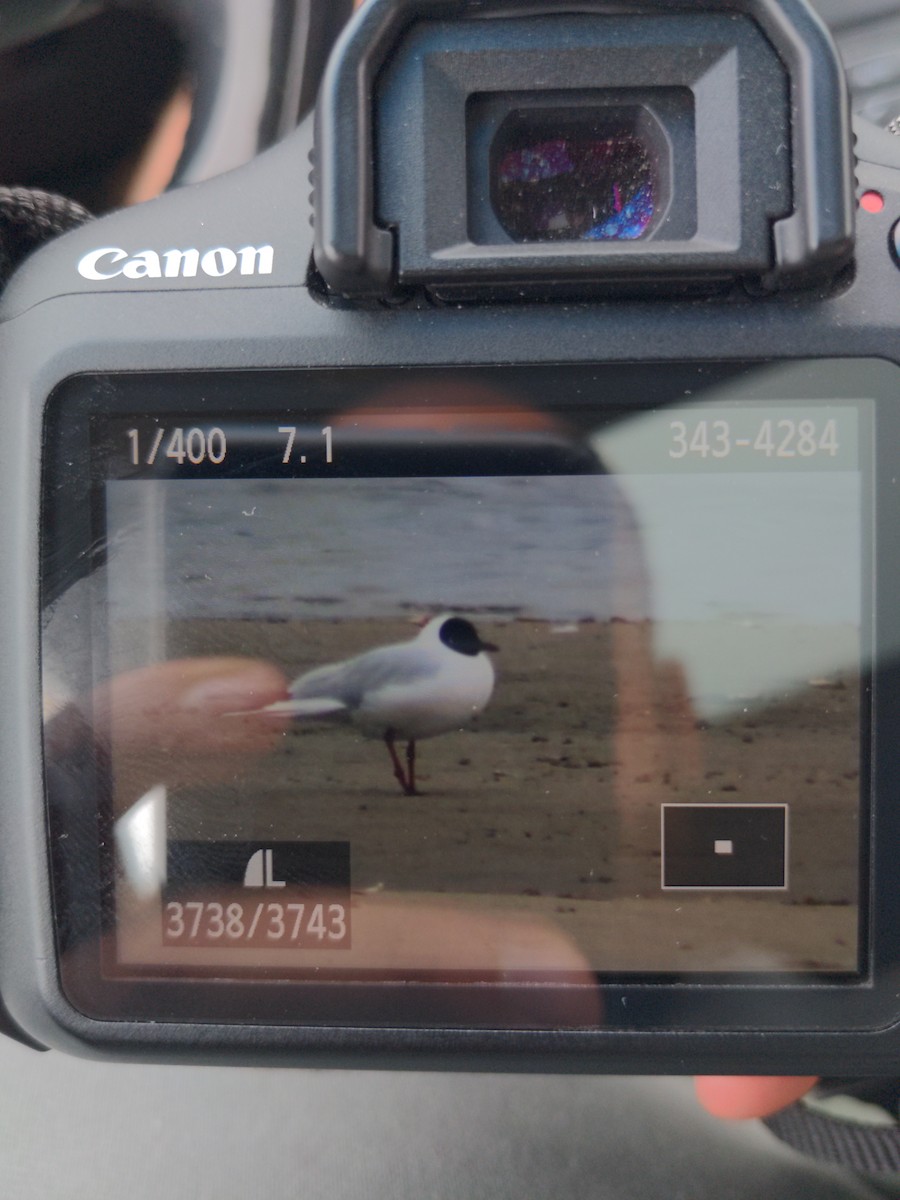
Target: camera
448	616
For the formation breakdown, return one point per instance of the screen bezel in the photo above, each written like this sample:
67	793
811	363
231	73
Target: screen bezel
693	1002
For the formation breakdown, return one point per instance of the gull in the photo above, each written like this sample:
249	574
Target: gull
434	683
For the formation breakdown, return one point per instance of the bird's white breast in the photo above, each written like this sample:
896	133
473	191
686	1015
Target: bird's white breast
446	699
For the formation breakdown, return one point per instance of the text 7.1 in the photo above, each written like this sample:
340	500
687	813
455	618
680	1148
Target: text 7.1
290	432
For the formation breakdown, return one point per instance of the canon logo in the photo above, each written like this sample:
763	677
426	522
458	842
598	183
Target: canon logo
111	261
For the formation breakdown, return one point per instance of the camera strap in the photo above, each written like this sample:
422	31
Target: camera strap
28	218
851	1123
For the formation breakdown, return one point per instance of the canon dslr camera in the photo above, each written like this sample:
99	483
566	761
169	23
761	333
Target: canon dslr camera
449	606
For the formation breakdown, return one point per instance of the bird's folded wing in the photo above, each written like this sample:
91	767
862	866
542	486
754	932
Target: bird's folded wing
353	680
319	706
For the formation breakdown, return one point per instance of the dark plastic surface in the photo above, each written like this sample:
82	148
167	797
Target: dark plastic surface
29	19
265	202
714	224
358	257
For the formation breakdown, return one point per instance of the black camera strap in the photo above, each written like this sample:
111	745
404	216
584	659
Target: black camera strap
28	218
850	1122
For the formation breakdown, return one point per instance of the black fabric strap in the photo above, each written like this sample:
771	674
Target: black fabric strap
872	1149
28	218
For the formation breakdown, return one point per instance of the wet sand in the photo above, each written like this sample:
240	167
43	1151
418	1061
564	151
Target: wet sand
549	804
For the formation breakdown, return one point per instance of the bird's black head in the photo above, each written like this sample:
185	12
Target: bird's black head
461	635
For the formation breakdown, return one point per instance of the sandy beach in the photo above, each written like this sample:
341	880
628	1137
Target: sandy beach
549	804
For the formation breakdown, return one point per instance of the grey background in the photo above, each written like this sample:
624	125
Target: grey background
75	1129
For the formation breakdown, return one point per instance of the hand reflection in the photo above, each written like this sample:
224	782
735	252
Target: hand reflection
165	722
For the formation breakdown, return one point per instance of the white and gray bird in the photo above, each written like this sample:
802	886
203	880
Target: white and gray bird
434	683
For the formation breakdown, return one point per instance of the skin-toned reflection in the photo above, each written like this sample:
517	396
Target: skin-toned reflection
540	767
541	796
164	721
171	713
740	1097
155	168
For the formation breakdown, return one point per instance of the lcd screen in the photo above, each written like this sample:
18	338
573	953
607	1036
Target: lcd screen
427	680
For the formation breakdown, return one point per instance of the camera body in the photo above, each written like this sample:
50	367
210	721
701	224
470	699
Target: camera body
579	341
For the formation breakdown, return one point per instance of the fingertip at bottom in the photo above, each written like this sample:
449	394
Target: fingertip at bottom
742	1097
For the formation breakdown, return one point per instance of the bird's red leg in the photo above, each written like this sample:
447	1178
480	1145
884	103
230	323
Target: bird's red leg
411	767
398	769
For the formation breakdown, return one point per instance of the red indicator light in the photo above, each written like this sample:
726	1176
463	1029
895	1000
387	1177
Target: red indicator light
871	202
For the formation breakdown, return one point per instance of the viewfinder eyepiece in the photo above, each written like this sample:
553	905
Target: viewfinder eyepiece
586	175
531	150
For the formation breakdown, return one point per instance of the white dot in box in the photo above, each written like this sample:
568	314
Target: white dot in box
724	847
